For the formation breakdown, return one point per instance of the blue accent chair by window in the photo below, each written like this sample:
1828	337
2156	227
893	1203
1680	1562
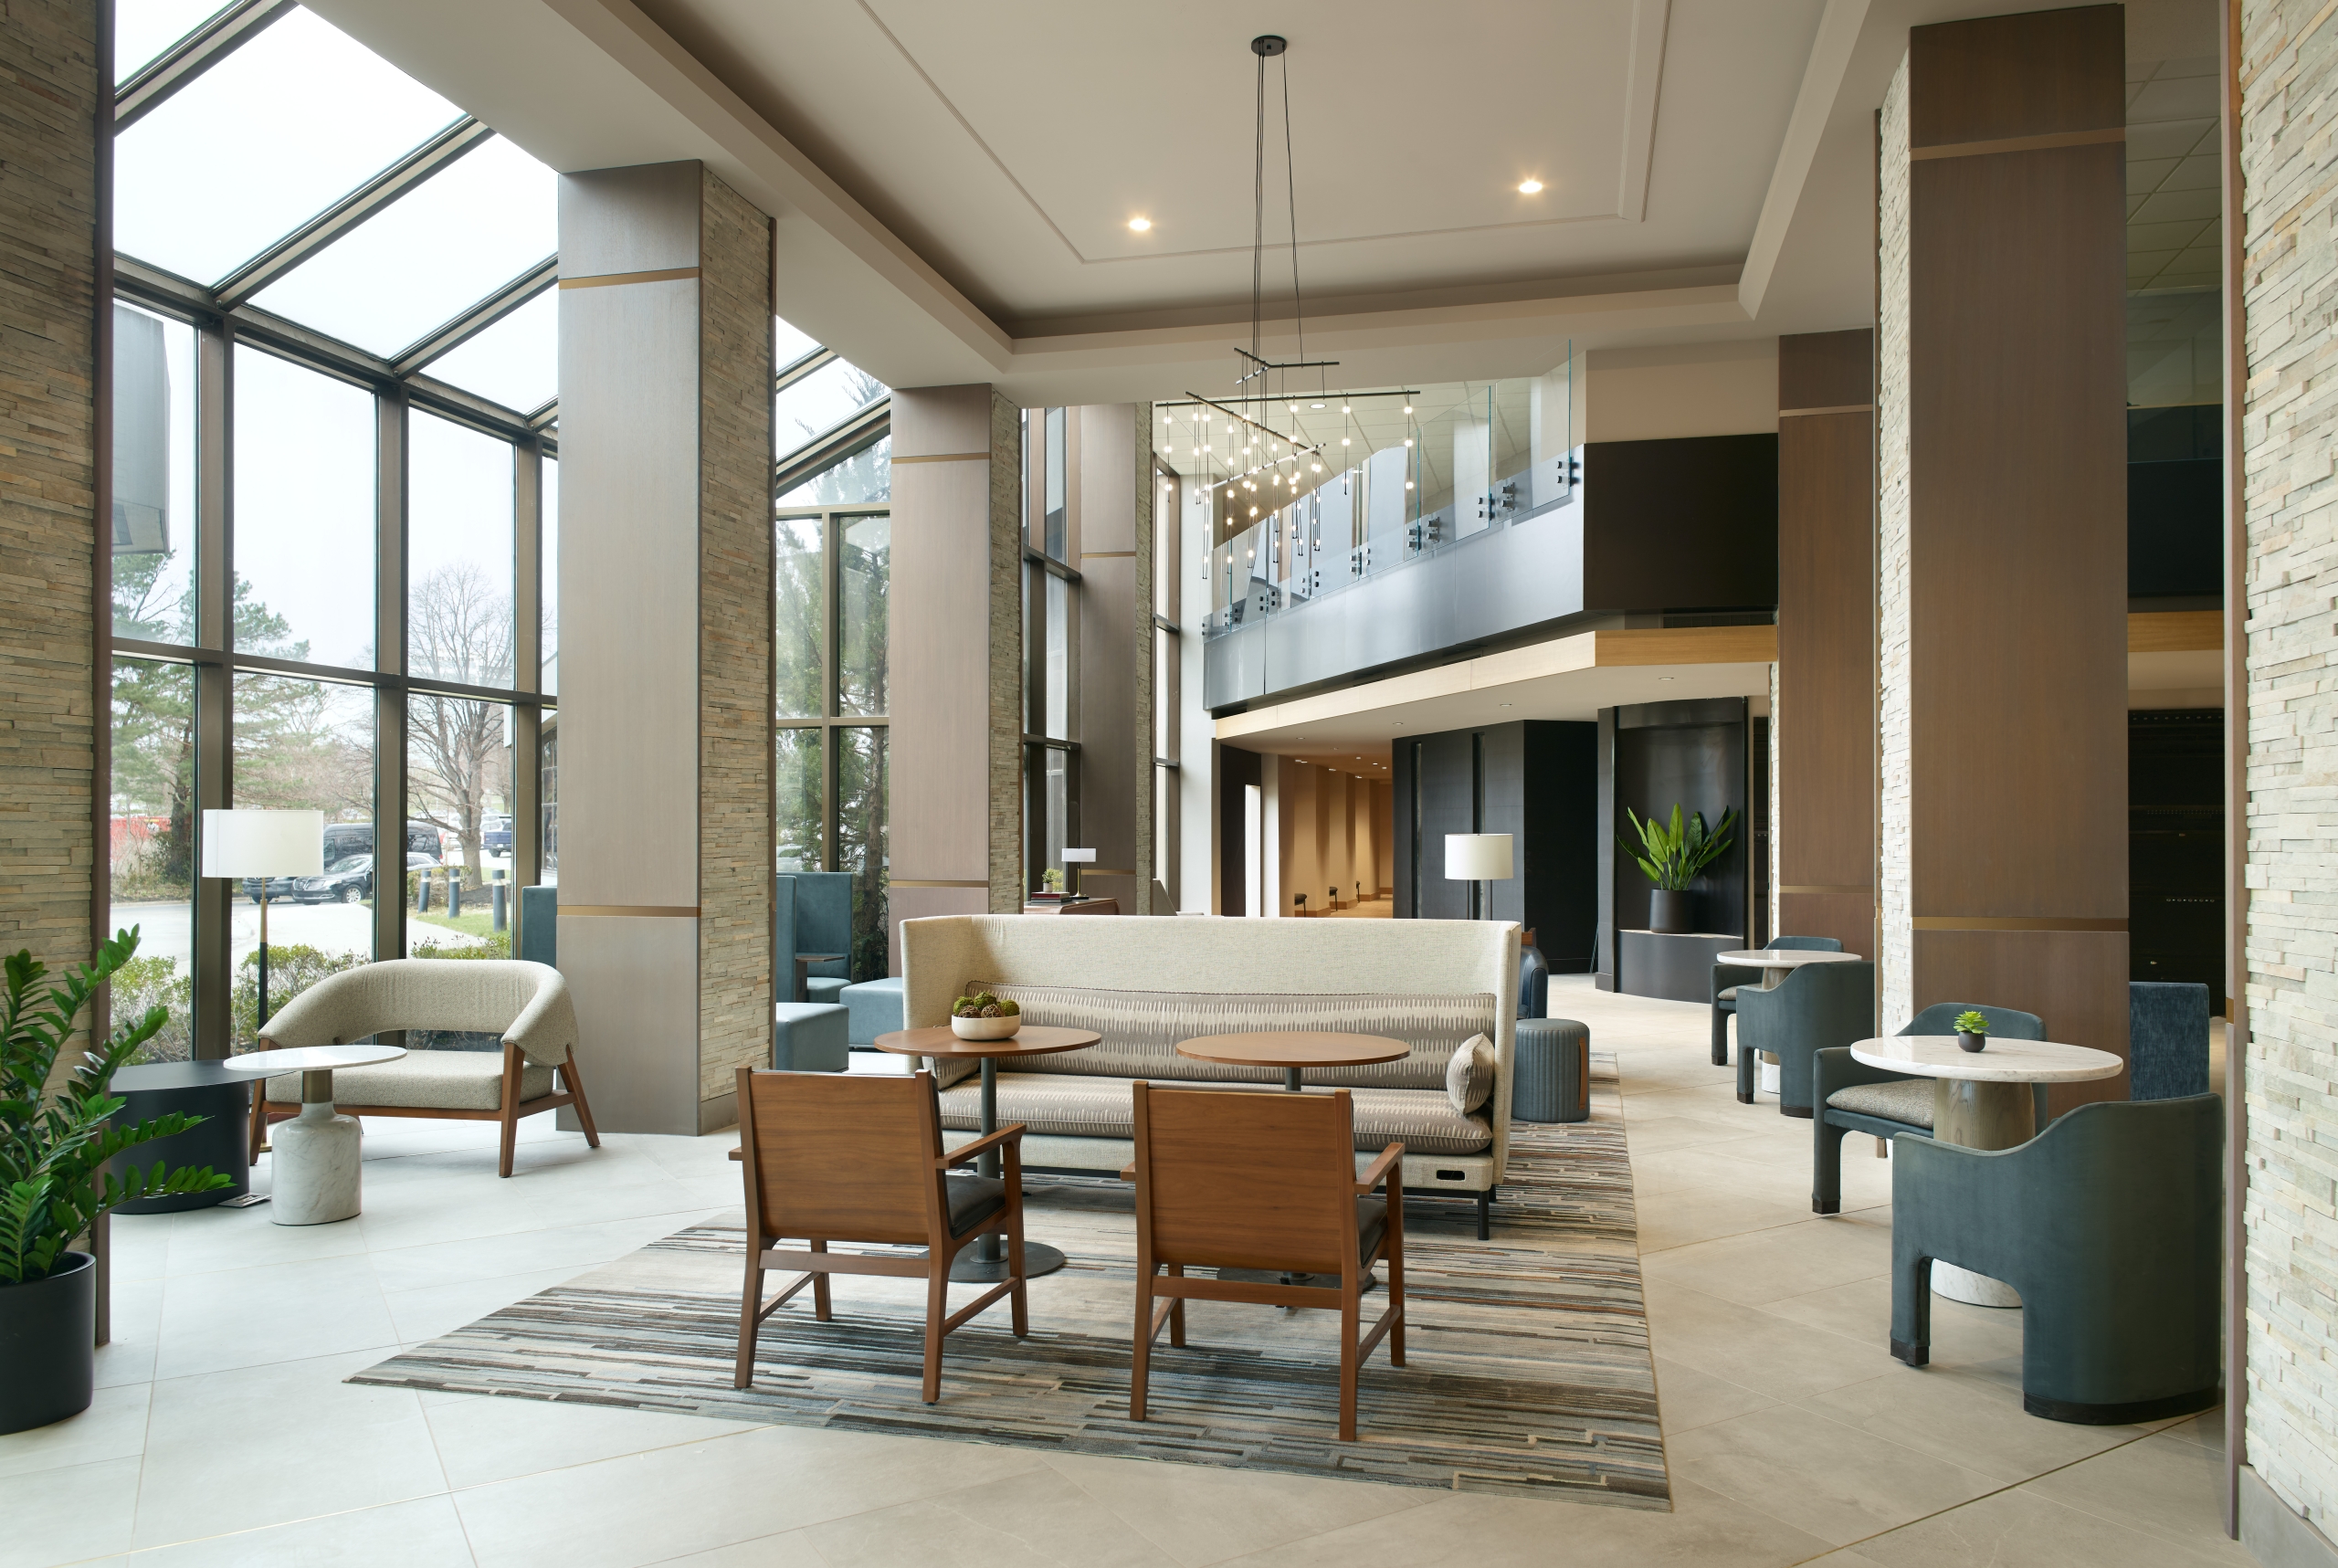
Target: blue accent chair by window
2109	1223
1728	977
812	912
1814	1007
1852	1096
2168	1040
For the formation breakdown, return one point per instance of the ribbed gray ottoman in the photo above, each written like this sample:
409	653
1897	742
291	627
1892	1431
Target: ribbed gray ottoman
1554	1079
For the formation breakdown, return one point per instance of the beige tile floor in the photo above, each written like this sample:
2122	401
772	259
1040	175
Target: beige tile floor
222	1433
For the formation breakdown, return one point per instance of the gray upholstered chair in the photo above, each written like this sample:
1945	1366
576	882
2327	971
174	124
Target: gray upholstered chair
1815	1006
1533	982
1728	977
2168	1040
526	1003
2108	1225
812	912
1852	1096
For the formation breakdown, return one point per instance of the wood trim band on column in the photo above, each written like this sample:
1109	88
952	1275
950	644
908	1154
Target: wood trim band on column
614	280
2045	144
1842	409
1824	892
641	911
1107	555
909	882
2015	922
948	457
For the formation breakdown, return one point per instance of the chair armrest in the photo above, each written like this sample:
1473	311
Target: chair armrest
736	1155
1128	1172
1392	1158
966	1153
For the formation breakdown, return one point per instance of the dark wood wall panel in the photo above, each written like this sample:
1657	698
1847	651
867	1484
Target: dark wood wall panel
1825	370
2040	73
2076	981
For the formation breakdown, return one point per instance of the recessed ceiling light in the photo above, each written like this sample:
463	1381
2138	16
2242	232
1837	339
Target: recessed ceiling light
1664	677
1315	406
1142	224
1528	187
1505	705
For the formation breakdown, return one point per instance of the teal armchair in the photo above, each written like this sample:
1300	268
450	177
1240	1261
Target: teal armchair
1852	1096
1813	1007
2109	1223
812	912
1728	977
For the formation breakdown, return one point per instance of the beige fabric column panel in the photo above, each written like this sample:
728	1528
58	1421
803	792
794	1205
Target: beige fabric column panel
665	584
1114	482
955	655
48	377
2002	541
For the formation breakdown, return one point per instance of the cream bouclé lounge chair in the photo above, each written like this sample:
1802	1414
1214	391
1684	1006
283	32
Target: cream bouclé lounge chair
526	1003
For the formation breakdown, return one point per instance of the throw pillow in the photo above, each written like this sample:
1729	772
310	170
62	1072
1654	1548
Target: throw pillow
1470	1074
948	1071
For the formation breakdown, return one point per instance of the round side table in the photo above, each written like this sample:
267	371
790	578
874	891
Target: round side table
318	1155
1982	1100
213	1091
985	1263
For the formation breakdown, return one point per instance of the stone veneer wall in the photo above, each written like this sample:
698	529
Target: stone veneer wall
1895	963
48	238
2289	76
734	780
1006	696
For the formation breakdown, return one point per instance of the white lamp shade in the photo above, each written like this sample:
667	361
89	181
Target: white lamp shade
263	843
1477	857
1079	856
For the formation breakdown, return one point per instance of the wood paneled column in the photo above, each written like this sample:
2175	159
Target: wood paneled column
1822	703
955	655
666	606
2001	539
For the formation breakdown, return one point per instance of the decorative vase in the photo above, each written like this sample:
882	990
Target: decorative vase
1673	913
1002	1029
48	1335
1971	1042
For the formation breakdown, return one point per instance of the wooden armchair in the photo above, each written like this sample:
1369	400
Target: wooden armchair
526	1003
1262	1181
834	1157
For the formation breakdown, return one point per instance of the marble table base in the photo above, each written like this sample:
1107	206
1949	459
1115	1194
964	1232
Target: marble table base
1980	1115
317	1166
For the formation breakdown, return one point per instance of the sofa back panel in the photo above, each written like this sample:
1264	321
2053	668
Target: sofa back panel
1141	1028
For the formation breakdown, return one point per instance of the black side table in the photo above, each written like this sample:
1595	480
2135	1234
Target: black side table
213	1091
1553	1073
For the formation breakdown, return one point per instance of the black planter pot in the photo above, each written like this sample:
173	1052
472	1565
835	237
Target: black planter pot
1971	1042
1672	914
48	1334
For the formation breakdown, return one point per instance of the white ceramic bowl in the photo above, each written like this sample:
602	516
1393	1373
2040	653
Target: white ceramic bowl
986	1028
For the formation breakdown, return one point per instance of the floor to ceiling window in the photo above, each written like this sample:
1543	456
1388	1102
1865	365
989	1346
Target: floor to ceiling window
832	570
334	368
1051	653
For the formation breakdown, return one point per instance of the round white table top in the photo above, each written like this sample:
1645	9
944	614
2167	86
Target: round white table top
2003	1061
311	1058
1785	957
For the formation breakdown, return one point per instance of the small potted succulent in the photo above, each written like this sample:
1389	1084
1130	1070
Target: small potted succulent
1971	1031
983	1016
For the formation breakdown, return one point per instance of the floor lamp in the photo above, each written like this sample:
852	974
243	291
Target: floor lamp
263	844
1477	858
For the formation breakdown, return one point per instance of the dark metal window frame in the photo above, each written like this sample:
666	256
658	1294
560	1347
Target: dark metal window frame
832	520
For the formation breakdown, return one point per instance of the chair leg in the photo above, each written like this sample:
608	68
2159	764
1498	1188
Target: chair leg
1017	1301
1177	1311
1393	1249
513	1066
937	1311
1746	1058
1826	1166
821	1309
575	1086
1485	1214
1720	1036
1351	1309
1141	1359
751	1301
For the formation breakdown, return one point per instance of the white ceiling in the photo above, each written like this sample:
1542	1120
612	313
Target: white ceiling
953	183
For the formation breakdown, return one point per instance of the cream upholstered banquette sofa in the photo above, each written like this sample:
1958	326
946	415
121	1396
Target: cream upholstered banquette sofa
1144	986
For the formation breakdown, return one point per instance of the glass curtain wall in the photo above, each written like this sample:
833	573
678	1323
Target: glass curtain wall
333	377
1168	510
1050	650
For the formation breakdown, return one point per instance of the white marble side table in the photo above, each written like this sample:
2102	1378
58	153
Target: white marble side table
1982	1099
318	1154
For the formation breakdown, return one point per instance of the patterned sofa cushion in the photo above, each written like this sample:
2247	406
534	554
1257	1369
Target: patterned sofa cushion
1092	1106
1908	1099
1141	1028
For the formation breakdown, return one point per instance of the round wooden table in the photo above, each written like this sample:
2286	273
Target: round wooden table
317	1157
1982	1100
1293	1050
985	1263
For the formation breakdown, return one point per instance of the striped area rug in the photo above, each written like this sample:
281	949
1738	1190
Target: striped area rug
1528	1356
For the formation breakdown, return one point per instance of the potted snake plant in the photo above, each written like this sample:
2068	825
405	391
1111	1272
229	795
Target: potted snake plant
57	1140
1673	854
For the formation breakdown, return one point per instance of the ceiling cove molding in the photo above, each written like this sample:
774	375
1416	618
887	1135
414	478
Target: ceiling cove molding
1650	18
1813	106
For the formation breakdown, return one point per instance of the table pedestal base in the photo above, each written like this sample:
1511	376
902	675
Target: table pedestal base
317	1166
970	1268
1980	1116
1974	1289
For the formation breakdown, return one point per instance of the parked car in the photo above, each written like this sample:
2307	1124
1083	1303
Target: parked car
345	881
344	839
495	835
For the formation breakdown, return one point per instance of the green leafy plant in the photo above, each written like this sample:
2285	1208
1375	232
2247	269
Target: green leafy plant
55	1147
984	1007
1673	854
1971	1022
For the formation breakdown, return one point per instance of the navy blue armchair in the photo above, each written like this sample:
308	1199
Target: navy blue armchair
1728	977
2108	1225
1852	1096
1533	983
1813	1007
